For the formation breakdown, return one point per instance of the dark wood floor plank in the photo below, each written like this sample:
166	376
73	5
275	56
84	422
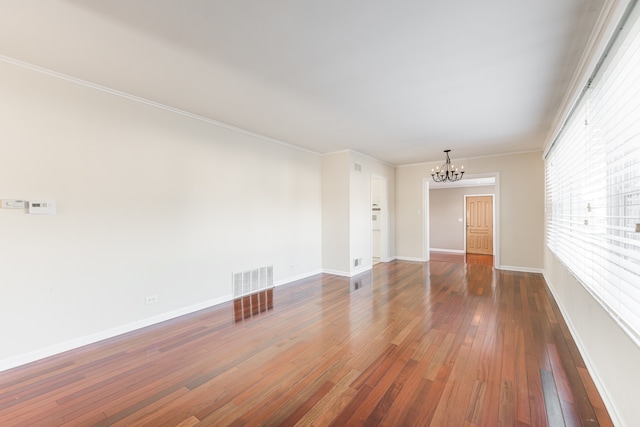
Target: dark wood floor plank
552	401
451	342
602	416
536	396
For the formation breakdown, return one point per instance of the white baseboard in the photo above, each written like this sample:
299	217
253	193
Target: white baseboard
360	270
405	258
33	356
298	277
450	251
348	273
521	269
336	272
608	403
23	359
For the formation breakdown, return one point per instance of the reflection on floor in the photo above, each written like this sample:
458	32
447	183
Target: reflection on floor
361	280
252	305
462	258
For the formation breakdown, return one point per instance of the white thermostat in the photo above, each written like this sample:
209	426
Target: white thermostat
42	207
13	204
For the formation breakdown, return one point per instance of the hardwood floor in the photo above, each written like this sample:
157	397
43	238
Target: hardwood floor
464	258
408	344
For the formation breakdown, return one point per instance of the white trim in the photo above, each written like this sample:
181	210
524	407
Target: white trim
608	402
497	221
384	212
109	333
336	272
458	159
346	150
426	220
119	330
521	269
360	270
408	258
452	251
353	273
391	165
145	101
496	216
298	277
352	151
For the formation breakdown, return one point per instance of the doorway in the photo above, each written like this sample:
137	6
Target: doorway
479	224
469	180
379	220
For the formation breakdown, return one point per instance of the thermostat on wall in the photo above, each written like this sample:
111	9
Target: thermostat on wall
13	204
42	207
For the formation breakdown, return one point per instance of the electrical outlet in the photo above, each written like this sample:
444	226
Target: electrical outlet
151	299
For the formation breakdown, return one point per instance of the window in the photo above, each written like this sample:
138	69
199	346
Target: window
592	175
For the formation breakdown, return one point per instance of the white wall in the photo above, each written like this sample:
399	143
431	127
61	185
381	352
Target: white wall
611	356
150	202
360	208
346	210
609	353
335	212
521	201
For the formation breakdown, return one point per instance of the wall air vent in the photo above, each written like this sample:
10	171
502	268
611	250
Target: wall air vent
357	167
252	281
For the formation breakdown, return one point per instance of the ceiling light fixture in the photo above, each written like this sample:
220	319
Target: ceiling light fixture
448	171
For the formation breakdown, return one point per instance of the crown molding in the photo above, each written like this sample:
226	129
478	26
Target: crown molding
138	99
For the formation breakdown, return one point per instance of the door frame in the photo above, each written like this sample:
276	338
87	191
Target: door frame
493	219
496	216
384	218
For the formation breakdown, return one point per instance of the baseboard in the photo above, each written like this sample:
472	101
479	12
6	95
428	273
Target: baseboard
585	357
33	356
298	277
360	270
347	273
405	258
449	251
521	269
336	272
43	353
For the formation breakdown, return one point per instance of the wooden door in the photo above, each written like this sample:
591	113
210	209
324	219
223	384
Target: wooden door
480	225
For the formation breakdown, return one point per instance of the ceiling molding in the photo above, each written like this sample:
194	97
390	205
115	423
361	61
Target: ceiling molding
148	102
396	82
459	159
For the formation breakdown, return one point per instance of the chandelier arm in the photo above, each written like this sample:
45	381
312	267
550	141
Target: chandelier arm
448	171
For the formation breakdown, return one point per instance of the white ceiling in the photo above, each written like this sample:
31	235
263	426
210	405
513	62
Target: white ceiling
397	80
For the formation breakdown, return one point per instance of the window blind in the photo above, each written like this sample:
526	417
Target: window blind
592	180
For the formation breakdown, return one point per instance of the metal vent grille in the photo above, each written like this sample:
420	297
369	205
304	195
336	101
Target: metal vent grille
252	281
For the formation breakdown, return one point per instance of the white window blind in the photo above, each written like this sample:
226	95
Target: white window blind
593	185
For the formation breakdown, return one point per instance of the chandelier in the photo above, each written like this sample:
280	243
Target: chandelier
447	172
